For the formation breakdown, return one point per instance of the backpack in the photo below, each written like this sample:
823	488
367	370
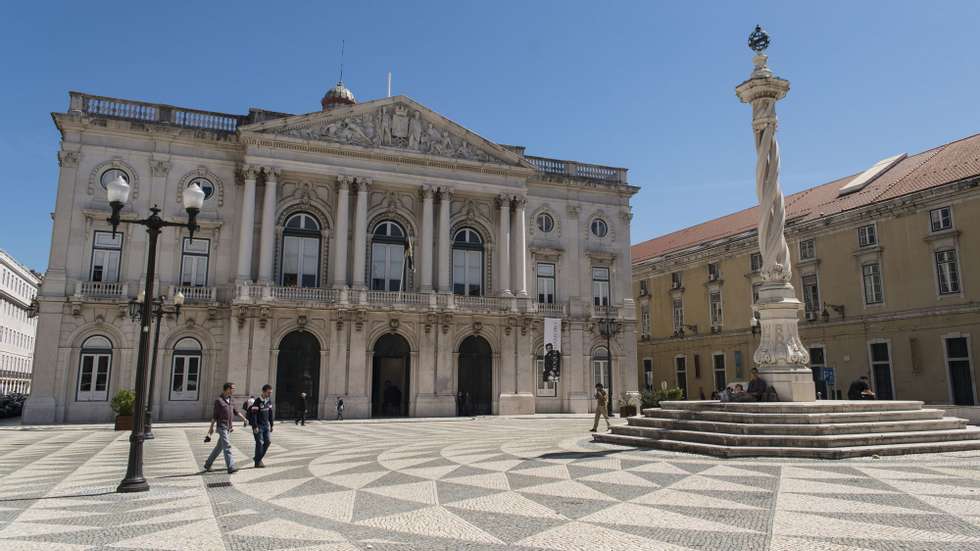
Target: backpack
770	395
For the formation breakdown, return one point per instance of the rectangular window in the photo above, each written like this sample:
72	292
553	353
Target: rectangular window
947	272
941	219
738	365
811	296
714	272
680	369
871	273
678	314
719	364
648	373
106	252
185	376
546	389
881	369
867	236
645	320
546	283
644	291
93	378
194	262
755	262
600	286
808	250
675	280
960	371
714	302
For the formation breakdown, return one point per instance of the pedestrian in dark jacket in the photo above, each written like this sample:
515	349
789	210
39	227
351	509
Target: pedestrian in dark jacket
301	420
260	416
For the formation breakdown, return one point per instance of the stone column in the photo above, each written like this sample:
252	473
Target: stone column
247	228
427	239
445	198
360	233
781	357
268	235
503	247
340	240
519	247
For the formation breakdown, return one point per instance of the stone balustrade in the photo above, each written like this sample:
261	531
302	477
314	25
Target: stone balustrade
192	295
101	289
153	112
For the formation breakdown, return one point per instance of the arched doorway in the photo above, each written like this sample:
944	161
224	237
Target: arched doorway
475	388
390	377
298	371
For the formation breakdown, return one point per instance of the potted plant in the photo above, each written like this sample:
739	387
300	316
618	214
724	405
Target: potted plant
627	406
122	406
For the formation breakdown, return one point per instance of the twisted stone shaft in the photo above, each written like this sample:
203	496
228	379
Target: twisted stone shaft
772	220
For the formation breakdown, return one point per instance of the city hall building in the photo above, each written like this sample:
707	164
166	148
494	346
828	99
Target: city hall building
375	251
884	261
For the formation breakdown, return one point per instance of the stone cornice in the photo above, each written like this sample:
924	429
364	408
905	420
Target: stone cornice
143	130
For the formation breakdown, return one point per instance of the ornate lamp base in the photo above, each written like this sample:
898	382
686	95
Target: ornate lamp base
781	358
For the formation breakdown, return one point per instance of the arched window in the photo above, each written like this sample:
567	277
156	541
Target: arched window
185	374
468	263
600	367
94	369
388	257
599	227
301	251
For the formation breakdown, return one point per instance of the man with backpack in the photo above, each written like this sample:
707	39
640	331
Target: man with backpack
260	416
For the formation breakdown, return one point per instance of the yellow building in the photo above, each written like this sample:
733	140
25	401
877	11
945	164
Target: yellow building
886	263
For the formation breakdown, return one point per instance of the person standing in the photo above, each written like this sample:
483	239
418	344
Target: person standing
301	420
601	406
224	418
340	408
260	417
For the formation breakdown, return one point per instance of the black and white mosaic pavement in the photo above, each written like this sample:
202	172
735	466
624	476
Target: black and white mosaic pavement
483	484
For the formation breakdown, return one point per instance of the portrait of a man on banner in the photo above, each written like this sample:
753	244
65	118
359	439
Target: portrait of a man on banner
552	349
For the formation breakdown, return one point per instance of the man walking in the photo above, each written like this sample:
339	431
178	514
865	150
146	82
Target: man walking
340	408
224	418
601	405
260	417
301	420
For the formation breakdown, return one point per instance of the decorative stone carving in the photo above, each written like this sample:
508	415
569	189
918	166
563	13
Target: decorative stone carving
360	317
301	321
212	313
69	159
159	168
447	322
430	320
190	322
241	314
394	126
477	327
393	325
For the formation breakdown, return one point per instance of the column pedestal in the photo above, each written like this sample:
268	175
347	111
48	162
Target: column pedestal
781	358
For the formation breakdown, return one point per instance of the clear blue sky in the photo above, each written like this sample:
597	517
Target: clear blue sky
644	85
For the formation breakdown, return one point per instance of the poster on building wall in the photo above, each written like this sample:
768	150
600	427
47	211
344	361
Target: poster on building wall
552	349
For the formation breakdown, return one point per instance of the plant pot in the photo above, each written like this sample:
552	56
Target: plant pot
124	422
627	411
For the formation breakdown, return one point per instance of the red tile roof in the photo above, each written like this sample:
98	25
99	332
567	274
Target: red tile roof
942	165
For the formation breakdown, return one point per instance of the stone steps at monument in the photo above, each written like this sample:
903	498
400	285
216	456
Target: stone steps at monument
796	418
791	440
821	406
809	429
801	453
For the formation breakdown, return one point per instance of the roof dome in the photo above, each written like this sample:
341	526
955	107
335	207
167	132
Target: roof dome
338	95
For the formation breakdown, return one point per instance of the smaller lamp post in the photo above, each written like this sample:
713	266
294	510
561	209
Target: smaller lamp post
608	327
117	192
135	313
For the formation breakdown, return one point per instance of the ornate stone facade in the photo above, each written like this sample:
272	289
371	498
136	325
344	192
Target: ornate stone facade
376	252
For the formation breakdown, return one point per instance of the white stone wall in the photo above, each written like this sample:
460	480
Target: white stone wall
240	321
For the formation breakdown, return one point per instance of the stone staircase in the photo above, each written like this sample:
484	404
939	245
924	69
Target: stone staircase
829	429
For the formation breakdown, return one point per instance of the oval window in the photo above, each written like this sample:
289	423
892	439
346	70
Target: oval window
599	227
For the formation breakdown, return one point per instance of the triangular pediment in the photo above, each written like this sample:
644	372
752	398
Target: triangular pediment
397	123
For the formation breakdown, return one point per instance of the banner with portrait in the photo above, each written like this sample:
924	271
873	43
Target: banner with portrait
552	349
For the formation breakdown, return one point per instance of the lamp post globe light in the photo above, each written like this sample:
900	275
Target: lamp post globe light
117	192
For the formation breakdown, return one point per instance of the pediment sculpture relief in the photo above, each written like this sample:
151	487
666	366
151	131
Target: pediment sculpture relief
394	126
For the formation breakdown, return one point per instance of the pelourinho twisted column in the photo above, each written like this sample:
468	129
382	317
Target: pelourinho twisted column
781	357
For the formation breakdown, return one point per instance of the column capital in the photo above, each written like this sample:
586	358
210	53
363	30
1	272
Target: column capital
363	184
519	201
344	182
271	173
426	191
503	200
249	172
445	192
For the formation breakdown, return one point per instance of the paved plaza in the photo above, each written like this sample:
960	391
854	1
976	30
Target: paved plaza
487	483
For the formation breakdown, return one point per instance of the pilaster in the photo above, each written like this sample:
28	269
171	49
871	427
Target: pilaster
268	235
246	229
340	239
503	246
360	234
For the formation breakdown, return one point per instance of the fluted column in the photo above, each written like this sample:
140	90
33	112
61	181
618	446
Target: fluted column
268	235
427	243
519	248
247	228
340	241
445	197
360	233
503	246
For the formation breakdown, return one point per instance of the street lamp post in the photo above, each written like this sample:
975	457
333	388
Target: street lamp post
118	194
608	327
135	313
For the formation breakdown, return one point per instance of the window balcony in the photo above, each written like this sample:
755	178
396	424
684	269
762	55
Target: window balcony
604	311
101	289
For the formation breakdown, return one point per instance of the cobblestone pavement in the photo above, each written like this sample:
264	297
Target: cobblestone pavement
488	483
